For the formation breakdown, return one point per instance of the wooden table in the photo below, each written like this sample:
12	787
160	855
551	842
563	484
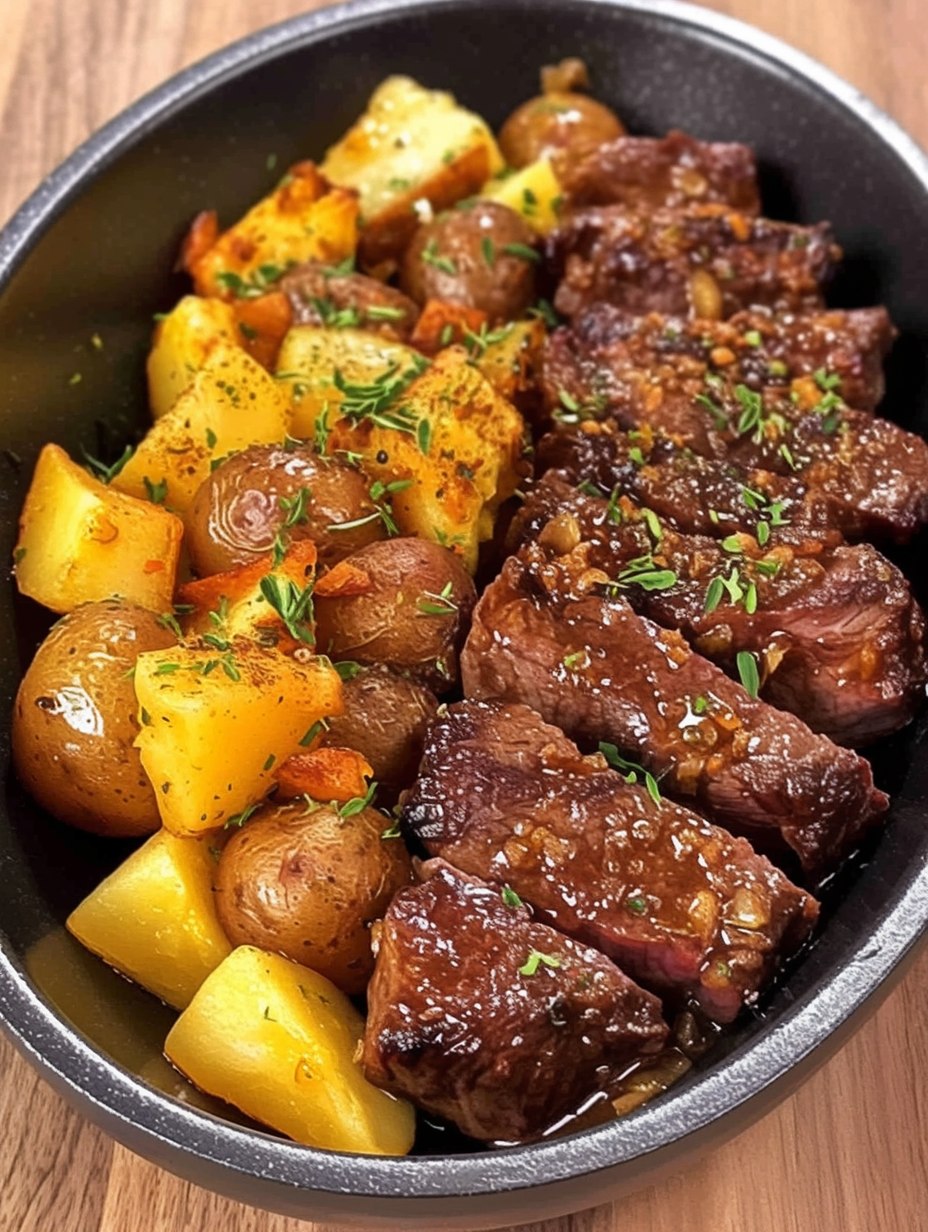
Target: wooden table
849	1153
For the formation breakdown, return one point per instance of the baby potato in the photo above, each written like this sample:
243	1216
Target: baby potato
385	719
308	885
267	490
74	721
561	125
483	257
408	606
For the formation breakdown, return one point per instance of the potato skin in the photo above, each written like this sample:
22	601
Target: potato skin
309	884
74	720
385	720
450	259
237	513
560	125
315	293
400	619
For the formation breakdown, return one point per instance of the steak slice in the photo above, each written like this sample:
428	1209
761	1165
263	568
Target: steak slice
679	904
697	495
319	295
657	261
837	636
545	634
757	348
498	1023
872	472
646	173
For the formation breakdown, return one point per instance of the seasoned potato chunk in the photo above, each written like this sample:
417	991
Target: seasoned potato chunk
303	219
510	359
232	403
211	735
411	145
154	918
534	192
278	1041
183	342
79	540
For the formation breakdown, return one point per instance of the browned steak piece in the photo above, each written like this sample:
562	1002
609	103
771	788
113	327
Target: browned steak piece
706	260
679	904
321	295
873	473
498	1023
545	633
676	170
757	348
705	496
837	637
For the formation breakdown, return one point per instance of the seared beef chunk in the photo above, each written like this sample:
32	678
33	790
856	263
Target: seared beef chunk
646	173
837	636
756	348
704	496
679	904
549	634
321	295
873	473
500	1024
706	260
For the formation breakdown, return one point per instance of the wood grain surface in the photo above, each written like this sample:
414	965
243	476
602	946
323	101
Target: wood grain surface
849	1152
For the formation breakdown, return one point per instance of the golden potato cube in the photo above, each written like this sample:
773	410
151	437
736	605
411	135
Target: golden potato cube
278	1041
153	919
511	358
214	725
460	451
231	403
412	146
183	342
79	541
312	354
534	192
303	219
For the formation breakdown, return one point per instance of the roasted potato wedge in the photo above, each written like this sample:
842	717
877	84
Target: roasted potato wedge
81	540
278	1041
412	147
303	219
154	918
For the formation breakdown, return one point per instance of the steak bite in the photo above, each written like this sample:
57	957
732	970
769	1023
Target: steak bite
679	904
496	1022
322	295
551	635
757	348
697	495
704	261
836	634
646	173
873	473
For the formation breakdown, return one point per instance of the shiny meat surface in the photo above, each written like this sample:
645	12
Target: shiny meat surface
757	348
704	496
837	634
679	904
496	1022
546	634
676	170
320	296
703	261
872	472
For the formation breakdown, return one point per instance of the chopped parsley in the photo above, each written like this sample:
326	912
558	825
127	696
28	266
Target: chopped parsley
293	605
536	959
747	672
99	470
441	604
632	771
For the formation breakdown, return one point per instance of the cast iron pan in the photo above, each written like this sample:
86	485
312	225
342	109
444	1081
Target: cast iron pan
91	252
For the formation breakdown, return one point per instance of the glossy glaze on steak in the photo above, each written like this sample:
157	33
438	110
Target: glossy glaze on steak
646	262
837	634
646	173
757	348
546	634
872	472
484	1016
677	903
